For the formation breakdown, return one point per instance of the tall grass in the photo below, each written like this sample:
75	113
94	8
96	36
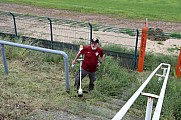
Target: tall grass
36	82
152	9
153	60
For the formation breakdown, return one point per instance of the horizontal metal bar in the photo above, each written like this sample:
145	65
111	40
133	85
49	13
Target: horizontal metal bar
159	75
44	50
80	59
150	95
156	115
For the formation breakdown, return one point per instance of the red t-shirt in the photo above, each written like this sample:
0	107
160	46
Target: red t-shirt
91	58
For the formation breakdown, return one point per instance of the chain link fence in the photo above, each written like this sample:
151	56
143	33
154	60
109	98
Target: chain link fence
56	33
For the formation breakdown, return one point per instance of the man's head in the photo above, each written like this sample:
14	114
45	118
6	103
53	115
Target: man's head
94	43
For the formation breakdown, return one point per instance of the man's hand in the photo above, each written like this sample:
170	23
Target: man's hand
98	64
73	63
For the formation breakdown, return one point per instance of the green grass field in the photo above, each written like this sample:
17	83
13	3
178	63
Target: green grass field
166	10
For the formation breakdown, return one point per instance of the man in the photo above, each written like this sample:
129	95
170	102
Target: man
90	63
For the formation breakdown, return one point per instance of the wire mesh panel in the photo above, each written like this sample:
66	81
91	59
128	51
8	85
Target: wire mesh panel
67	31
71	31
119	37
6	23
31	26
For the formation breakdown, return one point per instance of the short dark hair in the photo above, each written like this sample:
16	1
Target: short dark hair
95	40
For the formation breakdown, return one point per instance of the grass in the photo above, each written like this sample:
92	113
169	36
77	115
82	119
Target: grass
36	79
175	35
173	49
152	9
160	43
153	60
36	82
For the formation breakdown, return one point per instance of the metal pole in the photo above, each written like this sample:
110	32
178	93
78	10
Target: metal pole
149	108
66	72
4	59
90	32
164	71
14	20
51	33
135	51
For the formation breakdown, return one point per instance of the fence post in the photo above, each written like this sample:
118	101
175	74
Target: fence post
4	59
51	33
144	37
135	51
90	32
178	67
14	21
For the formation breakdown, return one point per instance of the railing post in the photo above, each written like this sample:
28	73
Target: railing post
135	51
90	32
163	75
149	108
14	20
66	67
4	59
164	71
51	33
149	104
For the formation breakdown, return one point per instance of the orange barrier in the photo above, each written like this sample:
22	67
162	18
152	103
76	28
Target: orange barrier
178	67
141	58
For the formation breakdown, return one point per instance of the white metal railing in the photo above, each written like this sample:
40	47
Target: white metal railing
156	115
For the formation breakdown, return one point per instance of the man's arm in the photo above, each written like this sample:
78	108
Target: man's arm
100	61
74	61
102	58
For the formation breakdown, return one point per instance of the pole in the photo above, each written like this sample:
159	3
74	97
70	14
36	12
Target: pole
51	33
14	21
135	51
178	67
90	32
144	37
4	59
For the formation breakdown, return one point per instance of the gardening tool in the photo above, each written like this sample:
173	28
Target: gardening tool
80	91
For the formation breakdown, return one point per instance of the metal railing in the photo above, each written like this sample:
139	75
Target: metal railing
156	114
2	49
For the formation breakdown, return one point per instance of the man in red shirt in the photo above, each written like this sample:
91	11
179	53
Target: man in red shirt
90	63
